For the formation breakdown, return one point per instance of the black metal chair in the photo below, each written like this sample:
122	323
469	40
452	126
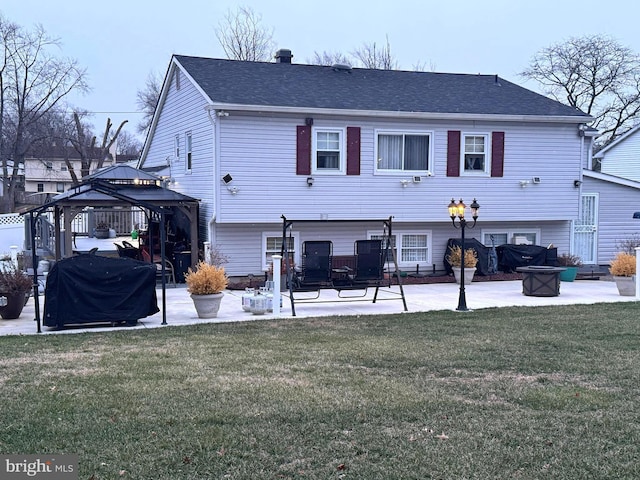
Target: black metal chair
316	264
369	269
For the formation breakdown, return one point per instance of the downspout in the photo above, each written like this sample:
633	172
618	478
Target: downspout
211	223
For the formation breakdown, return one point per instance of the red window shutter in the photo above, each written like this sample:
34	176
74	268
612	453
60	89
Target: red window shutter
303	150
353	150
453	153
497	154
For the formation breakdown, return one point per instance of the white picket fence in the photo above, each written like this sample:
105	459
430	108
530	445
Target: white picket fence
11	233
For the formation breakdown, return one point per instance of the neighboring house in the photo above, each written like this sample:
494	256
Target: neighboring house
611	196
621	157
47	173
255	141
608	206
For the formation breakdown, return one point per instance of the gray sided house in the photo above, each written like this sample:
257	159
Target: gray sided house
611	196
256	141
609	203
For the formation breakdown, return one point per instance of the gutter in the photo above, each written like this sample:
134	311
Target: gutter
399	114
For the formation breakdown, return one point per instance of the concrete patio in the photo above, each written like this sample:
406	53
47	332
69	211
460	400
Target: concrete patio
420	298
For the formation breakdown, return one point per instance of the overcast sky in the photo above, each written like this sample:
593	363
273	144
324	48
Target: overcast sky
120	42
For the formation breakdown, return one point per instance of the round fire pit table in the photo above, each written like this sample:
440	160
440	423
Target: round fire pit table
541	281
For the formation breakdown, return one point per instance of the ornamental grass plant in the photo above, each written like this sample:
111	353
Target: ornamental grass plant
623	265
206	279
455	257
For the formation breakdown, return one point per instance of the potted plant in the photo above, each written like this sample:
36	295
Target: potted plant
623	269
206	284
102	230
15	286
571	264
454	257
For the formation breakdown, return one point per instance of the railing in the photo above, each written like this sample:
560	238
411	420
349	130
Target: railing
122	220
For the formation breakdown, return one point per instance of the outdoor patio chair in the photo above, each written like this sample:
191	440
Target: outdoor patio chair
170	274
316	264
369	269
128	252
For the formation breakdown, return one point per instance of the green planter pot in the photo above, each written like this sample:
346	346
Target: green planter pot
569	275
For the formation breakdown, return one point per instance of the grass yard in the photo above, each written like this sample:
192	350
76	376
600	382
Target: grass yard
511	393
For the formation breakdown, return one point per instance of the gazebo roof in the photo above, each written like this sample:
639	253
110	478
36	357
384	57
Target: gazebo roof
121	174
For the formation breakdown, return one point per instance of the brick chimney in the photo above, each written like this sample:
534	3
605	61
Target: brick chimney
284	55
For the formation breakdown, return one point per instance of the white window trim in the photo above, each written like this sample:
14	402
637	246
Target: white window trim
386	131
176	147
510	234
188	151
263	248
399	234
487	155
342	169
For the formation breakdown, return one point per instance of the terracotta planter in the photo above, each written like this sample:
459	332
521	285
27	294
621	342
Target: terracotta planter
14	306
207	306
626	285
468	274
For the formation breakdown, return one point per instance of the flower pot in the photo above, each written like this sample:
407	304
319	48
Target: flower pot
569	275
626	285
102	233
468	274
207	306
14	306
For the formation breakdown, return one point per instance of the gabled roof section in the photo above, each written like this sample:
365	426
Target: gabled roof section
611	179
261	84
617	141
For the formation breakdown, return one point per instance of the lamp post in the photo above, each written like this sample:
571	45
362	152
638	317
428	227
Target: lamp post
456	210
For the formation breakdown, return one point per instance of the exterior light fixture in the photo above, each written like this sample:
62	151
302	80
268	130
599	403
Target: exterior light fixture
310	181
456	211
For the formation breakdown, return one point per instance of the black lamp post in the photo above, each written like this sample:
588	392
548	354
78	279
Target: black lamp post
457	210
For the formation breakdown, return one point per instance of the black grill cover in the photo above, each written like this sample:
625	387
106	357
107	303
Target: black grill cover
92	288
512	256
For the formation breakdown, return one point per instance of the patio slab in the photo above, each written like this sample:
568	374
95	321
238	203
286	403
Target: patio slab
420	298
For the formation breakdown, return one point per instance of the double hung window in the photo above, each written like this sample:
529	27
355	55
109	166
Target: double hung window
189	155
411	248
328	151
403	152
475	159
271	245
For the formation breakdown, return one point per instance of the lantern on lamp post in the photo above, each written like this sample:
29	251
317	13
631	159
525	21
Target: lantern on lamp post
456	211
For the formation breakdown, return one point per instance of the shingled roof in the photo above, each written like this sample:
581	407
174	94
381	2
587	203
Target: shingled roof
262	84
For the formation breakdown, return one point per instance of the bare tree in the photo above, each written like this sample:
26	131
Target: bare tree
90	154
33	83
595	74
378	58
330	58
242	36
147	101
128	144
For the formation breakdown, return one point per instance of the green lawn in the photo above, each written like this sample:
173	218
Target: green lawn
523	393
